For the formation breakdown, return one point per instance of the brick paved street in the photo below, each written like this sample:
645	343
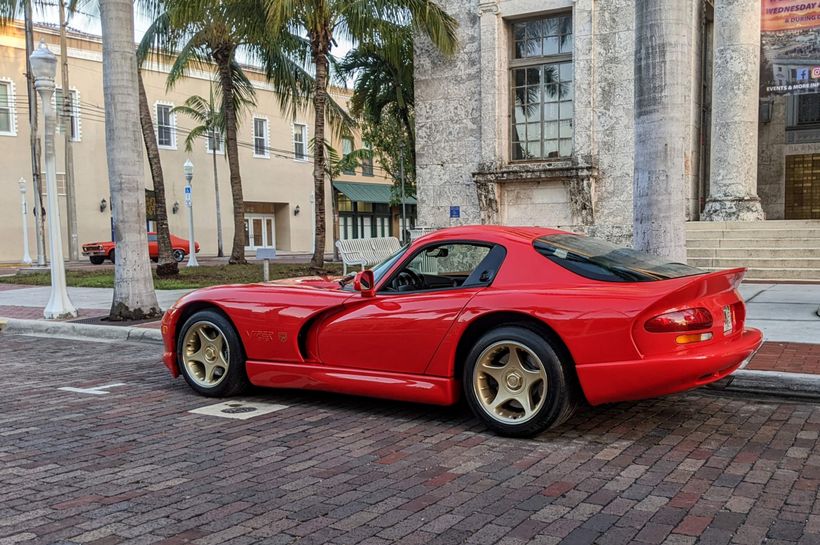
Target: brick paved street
133	466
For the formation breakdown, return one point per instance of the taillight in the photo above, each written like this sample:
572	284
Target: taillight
691	319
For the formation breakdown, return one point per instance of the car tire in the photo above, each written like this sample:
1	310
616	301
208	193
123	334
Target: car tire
518	396
96	259
210	355
112	256
179	255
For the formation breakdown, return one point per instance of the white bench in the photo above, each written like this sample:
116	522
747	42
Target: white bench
366	252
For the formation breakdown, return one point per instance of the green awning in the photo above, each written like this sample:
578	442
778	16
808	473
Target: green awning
363	192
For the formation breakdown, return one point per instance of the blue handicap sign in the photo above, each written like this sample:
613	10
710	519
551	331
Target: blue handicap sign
187	189
455	211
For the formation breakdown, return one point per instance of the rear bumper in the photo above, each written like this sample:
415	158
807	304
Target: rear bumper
652	377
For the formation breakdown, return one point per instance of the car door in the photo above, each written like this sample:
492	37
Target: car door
400	328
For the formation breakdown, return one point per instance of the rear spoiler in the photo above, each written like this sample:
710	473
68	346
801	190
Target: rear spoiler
697	286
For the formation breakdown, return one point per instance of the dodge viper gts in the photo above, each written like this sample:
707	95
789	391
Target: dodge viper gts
523	322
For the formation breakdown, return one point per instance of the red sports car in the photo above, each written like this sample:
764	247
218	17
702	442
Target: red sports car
97	252
523	322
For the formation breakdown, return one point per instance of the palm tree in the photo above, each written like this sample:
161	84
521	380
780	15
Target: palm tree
134	295
659	199
210	33
359	21
211	126
166	264
383	72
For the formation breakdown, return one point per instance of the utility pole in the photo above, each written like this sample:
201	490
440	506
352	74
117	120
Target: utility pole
36	181
403	207
67	106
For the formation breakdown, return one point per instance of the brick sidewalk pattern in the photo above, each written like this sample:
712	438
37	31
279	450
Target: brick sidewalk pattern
787	358
36	313
134	466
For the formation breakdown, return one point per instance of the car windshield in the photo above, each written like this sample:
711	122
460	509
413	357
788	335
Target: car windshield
600	260
381	269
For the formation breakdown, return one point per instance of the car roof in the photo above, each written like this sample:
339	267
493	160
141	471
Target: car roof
490	233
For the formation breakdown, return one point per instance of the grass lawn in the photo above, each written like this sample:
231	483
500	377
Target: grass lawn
188	278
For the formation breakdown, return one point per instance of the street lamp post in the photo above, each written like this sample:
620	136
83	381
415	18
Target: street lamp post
189	202
24	211
44	68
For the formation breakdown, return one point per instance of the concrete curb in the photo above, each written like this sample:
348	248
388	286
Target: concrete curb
69	330
773	383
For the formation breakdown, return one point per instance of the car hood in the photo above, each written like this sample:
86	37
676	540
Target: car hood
321	282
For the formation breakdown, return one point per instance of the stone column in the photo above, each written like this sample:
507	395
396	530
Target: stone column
493	90
735	88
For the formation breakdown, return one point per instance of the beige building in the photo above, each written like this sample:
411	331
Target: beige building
276	167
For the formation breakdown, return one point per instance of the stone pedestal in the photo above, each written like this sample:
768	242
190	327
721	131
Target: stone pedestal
735	104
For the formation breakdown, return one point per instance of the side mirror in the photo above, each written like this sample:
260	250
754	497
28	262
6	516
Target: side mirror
365	283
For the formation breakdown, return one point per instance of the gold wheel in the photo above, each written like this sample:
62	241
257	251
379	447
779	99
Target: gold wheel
510	382
205	354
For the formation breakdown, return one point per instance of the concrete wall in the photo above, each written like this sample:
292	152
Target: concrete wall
278	179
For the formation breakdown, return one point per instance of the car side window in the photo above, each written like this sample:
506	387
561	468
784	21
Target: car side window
444	266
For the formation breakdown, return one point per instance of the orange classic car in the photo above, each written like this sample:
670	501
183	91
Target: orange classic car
97	252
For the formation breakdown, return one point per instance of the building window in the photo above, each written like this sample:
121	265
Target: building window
347	149
215	142
7	108
541	76
166	126
300	142
367	159
71	119
808	109
260	137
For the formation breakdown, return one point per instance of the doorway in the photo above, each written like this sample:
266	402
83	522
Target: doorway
260	231
803	187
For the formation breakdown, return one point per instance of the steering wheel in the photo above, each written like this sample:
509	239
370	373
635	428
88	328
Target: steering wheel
409	278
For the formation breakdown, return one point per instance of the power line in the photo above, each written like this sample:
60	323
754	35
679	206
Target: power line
94	113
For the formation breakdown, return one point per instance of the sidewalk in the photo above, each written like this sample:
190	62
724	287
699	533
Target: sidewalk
28	302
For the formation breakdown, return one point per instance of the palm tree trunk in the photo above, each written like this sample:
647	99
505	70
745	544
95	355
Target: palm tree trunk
34	141
662	47
66	106
320	47
223	60
167	265
134	295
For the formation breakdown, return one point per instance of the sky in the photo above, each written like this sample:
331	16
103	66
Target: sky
90	24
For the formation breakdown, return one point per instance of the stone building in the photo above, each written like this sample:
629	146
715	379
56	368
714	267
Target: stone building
274	154
533	121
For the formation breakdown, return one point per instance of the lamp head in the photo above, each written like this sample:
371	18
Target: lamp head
188	168
43	63
21	183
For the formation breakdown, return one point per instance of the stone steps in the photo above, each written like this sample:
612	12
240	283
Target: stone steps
768	253
776	274
770	250
751	243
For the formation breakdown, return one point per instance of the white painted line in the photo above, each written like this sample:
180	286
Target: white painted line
96	390
239	410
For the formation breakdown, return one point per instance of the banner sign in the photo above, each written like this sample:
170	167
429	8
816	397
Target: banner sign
790	47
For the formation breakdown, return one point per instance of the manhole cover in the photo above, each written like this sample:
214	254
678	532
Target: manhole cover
238	410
